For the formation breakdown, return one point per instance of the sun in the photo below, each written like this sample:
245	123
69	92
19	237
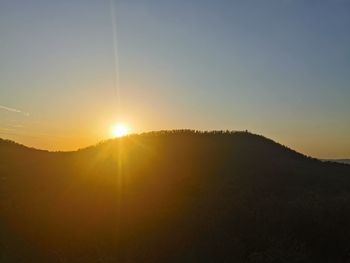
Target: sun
119	130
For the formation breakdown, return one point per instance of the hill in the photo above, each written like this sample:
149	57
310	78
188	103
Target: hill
344	161
173	196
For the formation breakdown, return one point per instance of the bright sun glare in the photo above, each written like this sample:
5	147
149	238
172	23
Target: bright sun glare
120	130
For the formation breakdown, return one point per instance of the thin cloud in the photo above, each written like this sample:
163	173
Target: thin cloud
2	107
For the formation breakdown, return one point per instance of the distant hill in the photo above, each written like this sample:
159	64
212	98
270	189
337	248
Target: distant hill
173	196
345	161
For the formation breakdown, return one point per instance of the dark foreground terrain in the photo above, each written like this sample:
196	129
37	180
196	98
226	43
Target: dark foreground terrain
177	196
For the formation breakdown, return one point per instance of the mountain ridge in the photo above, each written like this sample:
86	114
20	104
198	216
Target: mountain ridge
9	142
179	195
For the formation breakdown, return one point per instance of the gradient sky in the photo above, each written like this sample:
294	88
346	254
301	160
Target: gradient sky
280	68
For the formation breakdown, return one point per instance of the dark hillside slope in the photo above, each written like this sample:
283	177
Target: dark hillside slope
179	196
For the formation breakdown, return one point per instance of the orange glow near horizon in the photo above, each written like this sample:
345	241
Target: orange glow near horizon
119	130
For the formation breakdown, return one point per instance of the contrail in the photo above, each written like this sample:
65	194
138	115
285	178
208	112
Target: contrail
2	107
116	56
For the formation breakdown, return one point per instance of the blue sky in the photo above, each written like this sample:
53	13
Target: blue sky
280	68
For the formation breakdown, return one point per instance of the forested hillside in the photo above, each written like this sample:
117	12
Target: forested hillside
173	196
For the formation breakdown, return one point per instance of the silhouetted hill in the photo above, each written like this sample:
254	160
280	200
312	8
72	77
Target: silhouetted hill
344	161
173	196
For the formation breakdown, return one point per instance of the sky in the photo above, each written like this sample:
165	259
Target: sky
70	69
